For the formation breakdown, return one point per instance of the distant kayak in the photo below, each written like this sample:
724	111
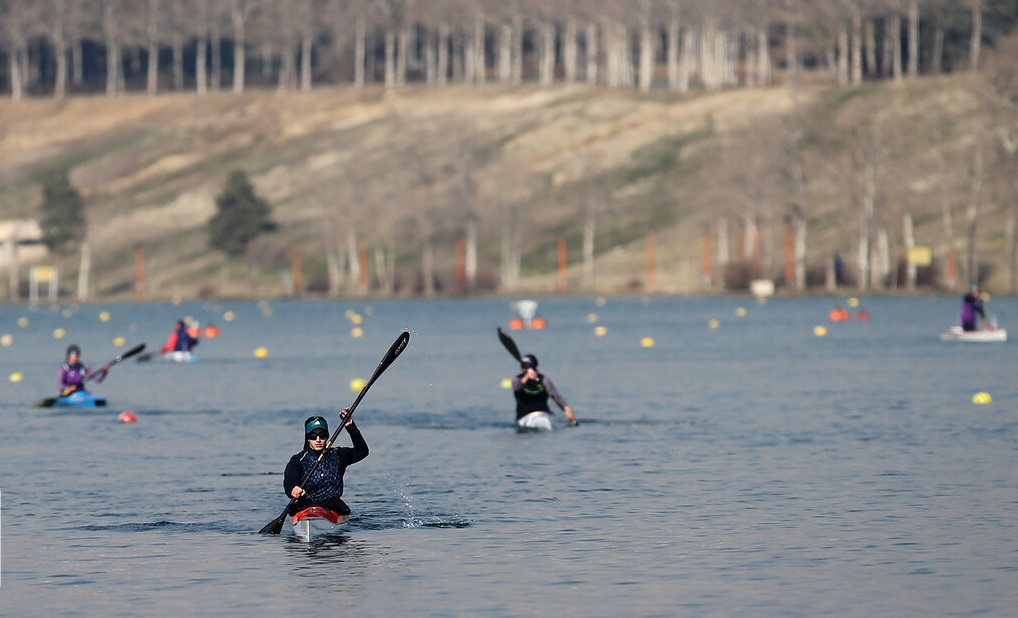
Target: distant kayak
535	421
316	521
180	356
77	399
983	335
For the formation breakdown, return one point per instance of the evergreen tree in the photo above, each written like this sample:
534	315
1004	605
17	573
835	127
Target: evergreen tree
241	216
63	213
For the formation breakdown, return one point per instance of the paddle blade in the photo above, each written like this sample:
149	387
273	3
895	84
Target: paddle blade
128	354
46	403
275	526
510	345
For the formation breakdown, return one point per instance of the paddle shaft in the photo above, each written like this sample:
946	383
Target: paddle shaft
276	525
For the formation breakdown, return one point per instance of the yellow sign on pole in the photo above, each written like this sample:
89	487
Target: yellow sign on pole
920	255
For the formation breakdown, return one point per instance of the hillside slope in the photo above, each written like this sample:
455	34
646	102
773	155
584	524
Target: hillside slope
403	176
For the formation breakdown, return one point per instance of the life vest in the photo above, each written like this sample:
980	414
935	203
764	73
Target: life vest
533	397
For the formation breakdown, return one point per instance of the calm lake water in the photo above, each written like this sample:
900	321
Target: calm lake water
753	469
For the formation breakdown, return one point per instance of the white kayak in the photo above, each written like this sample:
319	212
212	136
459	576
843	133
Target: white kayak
180	356
983	335
316	521
535	421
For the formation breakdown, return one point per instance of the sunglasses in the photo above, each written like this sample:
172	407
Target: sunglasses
318	435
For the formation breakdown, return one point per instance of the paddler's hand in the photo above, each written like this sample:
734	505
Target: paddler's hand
569	414
342	417
528	375
297	492
67	391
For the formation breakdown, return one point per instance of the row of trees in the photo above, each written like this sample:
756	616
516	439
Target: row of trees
51	47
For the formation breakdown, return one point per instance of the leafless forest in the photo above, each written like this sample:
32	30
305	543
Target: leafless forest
53	47
740	139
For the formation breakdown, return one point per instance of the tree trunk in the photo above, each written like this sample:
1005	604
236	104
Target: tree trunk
178	60
856	46
402	45
239	48
870	46
109	21
763	57
359	50
546	74
674	32
646	54
306	49
842	55
517	49
390	60
352	257
443	53
505	62
570	51
938	50
591	41
977	34
913	38
894	32
480	60
471	256
909	234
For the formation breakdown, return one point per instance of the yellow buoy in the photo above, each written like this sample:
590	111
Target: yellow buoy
59	333
357	384
15	376
261	352
507	383
647	342
601	301
853	302
228	316
22	321
119	342
981	398
356	332
591	318
104	316
356	318
714	324
6	341
600	331
740	312
819	331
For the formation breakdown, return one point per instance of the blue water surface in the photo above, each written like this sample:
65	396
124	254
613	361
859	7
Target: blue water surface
751	469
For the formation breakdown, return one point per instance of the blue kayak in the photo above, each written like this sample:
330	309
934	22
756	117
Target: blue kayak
77	399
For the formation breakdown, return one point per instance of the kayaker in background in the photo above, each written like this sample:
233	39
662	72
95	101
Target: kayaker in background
325	487
73	372
179	340
972	309
532	390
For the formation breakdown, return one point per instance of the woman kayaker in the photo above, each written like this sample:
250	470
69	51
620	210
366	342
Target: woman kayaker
532	390
73	372
325	487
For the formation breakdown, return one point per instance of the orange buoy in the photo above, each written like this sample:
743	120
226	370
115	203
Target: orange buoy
862	315
516	323
211	331
538	323
838	314
127	417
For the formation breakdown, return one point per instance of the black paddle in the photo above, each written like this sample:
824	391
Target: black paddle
276	525
510	345
49	401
